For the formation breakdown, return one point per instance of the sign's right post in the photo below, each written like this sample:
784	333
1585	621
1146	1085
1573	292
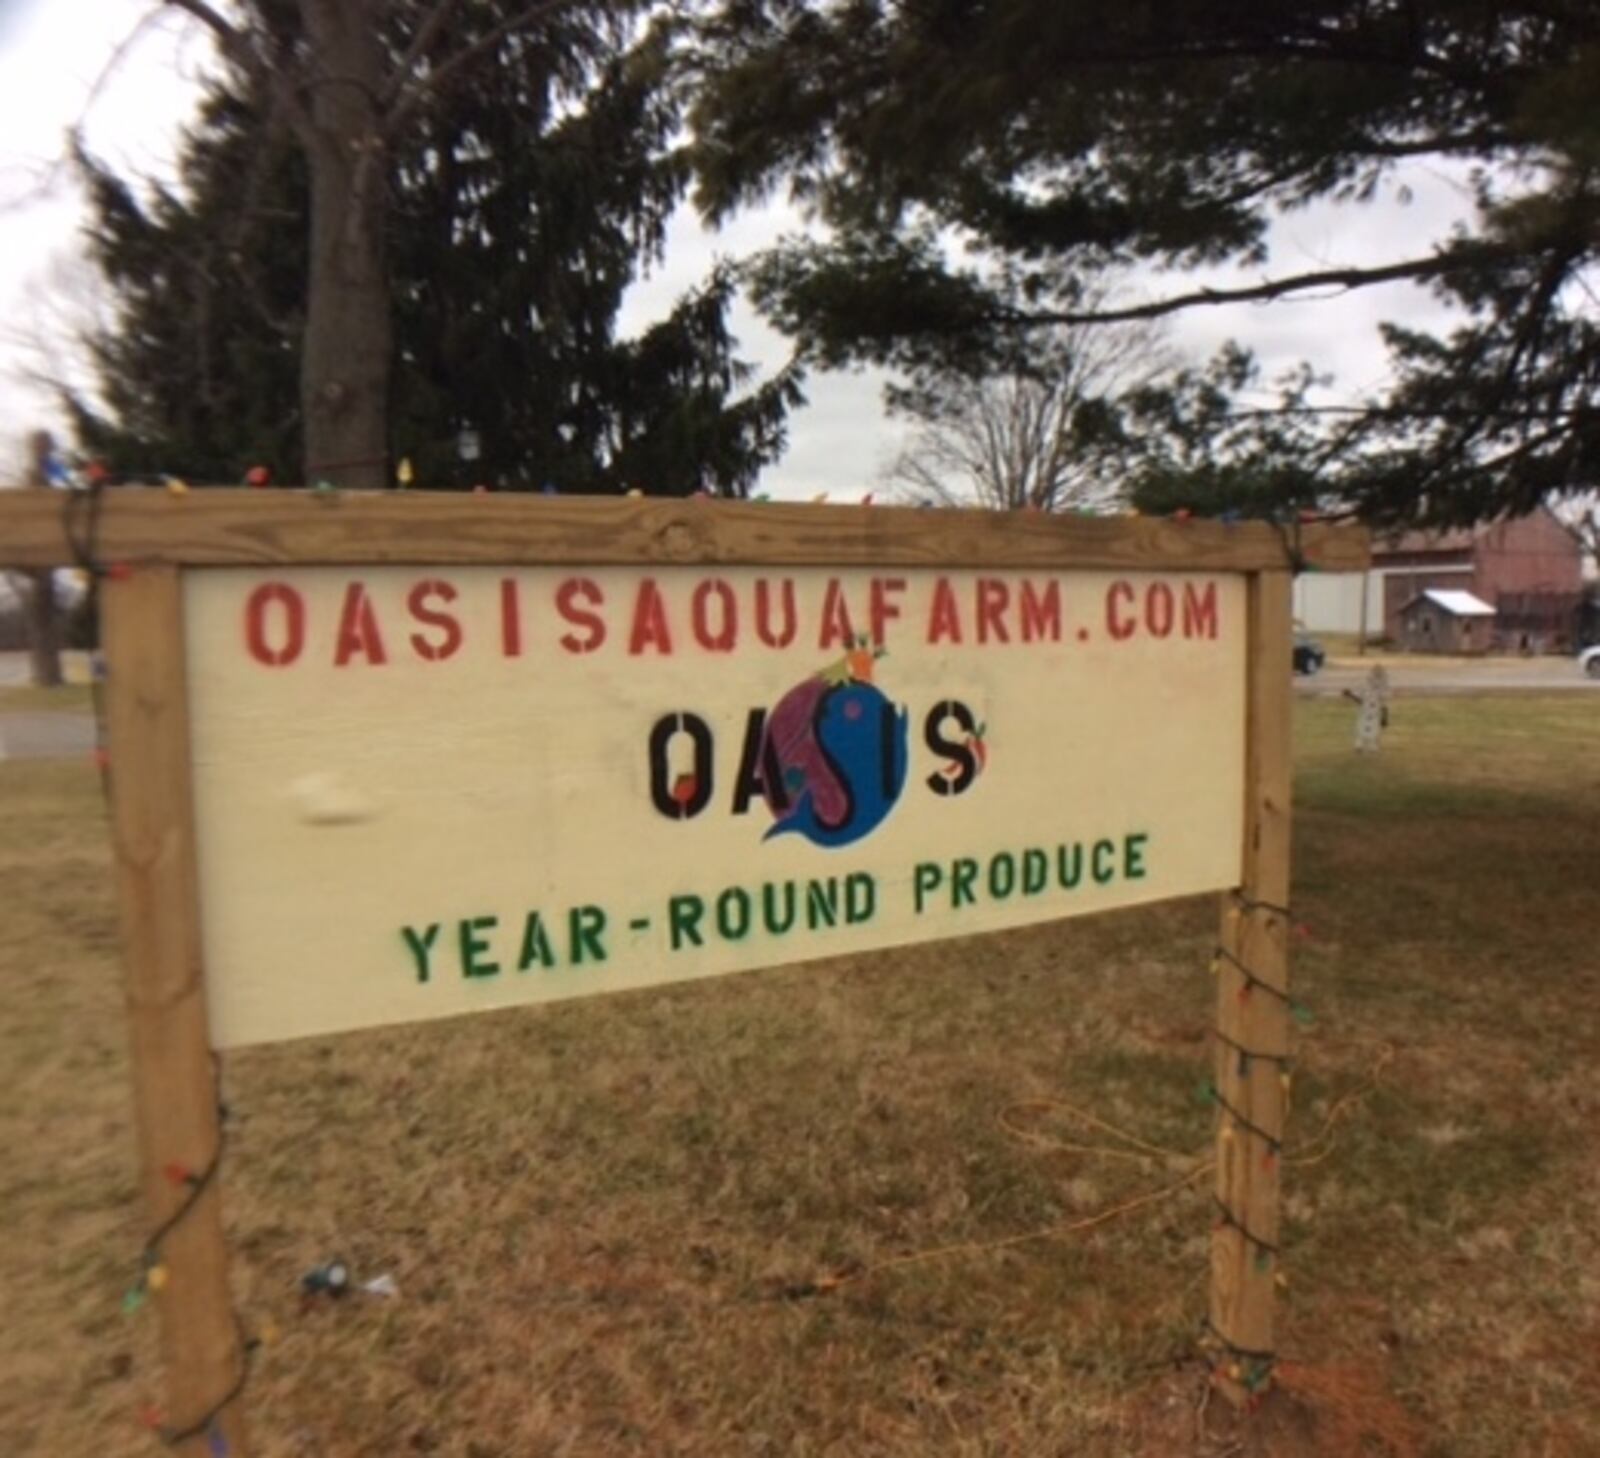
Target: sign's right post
1253	1015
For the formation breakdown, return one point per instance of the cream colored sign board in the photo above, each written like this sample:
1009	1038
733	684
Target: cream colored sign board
429	791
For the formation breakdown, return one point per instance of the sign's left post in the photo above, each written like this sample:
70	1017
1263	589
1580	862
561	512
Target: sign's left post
177	1099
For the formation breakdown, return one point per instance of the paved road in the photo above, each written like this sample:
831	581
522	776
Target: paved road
1465	676
16	668
44	734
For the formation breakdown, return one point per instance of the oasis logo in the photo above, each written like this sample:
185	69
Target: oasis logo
829	759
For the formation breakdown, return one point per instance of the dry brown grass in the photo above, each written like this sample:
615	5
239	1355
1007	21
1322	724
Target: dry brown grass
69	698
603	1215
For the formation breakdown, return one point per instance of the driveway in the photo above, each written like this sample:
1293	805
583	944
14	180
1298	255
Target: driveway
44	734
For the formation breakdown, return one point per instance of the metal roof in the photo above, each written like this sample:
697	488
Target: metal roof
1453	600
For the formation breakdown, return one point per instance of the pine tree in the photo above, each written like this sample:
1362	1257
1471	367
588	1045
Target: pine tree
970	154
516	198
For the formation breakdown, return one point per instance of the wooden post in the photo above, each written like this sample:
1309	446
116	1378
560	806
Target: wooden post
1253	1016
174	1082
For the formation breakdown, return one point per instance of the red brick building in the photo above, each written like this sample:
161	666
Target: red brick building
1528	568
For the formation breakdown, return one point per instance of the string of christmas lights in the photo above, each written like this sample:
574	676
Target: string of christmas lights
216	1440
1249	903
1273	1142
1251	1369
1227	1220
1285	1061
152	1273
154	1276
1249	982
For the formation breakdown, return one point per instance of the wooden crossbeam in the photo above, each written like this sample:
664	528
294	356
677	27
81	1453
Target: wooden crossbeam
238	527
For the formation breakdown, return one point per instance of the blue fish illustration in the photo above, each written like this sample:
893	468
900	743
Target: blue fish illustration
860	739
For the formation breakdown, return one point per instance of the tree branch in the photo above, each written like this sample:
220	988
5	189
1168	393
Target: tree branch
235	44
1475	143
1312	44
1343	279
414	92
421	42
213	20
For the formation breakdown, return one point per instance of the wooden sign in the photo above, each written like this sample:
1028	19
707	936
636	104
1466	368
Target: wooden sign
379	758
425	791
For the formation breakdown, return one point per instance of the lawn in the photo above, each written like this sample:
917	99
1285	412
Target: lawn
830	1210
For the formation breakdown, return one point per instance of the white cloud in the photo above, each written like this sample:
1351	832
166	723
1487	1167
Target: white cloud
53	58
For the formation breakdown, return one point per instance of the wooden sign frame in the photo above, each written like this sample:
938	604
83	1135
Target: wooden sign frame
142	541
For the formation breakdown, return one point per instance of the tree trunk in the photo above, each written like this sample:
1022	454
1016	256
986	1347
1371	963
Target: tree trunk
44	630
44	621
345	361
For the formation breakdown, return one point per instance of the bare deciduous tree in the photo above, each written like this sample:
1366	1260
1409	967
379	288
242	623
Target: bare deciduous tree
1041	435
50	334
1580	515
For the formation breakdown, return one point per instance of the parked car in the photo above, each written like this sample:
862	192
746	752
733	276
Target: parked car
1309	655
1589	660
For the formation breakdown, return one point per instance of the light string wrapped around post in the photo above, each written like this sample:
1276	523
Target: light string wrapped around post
1250	1368
153	1276
1285	1061
1248	903
1265	1249
152	1273
206	1424
1250	982
1273	1142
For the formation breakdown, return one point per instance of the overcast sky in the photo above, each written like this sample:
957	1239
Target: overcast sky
52	53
